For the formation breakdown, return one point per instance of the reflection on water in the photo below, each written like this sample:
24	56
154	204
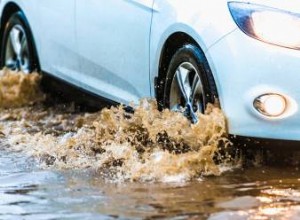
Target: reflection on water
58	163
256	193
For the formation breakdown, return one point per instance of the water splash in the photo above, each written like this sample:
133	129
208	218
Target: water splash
147	145
18	89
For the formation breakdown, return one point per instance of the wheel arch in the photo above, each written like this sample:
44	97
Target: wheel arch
173	42
8	10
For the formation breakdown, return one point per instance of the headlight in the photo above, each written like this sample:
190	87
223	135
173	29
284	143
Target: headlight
267	24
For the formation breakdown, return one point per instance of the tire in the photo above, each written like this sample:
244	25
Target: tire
189	85
17	47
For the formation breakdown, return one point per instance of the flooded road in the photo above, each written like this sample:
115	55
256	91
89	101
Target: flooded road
57	162
26	192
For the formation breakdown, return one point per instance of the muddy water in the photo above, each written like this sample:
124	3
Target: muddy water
60	163
28	192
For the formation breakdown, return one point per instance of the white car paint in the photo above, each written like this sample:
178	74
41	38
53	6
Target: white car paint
115	61
58	53
113	48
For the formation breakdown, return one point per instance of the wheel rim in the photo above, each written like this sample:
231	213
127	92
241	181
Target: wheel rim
17	50
186	92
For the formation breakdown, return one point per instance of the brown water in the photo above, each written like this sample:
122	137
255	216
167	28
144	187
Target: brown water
60	163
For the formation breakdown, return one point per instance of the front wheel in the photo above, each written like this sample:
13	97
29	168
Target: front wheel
189	85
17	48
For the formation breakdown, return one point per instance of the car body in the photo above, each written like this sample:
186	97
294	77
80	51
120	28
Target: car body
117	49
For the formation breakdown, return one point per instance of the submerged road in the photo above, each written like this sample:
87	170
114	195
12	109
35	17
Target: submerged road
59	162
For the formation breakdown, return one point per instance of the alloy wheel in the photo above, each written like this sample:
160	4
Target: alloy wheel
17	50
187	92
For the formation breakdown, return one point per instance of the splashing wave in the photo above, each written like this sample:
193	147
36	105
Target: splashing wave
147	145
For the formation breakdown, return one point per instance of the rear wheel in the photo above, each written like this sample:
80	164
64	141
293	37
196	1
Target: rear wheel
17	48
189	85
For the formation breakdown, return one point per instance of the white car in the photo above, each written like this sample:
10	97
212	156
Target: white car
185	53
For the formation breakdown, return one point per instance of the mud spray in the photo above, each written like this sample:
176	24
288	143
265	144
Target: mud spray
147	145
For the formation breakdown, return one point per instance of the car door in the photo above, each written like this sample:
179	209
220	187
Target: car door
58	39
113	40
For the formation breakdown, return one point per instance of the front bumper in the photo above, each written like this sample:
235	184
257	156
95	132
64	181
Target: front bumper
245	68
